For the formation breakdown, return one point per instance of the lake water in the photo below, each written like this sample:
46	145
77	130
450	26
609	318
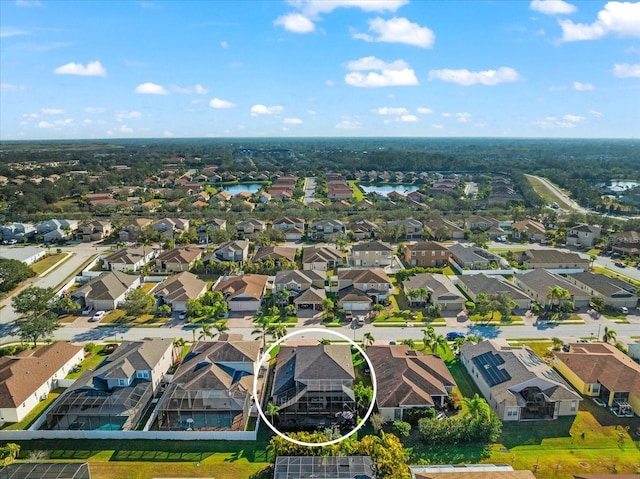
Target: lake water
235	189
386	189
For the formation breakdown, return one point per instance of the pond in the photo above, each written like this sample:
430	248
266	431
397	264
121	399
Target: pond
235	189
386	189
620	185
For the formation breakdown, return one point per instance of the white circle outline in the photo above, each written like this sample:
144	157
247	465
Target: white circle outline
267	353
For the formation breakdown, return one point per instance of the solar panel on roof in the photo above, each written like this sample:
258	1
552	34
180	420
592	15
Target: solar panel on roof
487	363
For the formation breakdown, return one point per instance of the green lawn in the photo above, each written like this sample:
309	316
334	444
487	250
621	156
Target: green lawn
90	362
545	194
357	194
47	262
30	418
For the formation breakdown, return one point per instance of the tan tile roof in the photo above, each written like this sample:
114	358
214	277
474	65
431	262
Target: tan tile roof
21	376
245	284
180	255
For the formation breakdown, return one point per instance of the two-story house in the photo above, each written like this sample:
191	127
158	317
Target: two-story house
427	254
244	292
169	227
371	254
205	229
293	227
130	231
178	289
115	395
95	230
313	385
249	227
236	251
363	230
358	289
583	235
320	258
323	230
412	228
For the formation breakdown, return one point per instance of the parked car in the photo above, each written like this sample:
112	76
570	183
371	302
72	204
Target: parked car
624	310
453	335
87	310
620	265
182	315
582	341
360	320
98	316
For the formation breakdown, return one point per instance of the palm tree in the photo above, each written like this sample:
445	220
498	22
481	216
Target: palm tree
440	341
324	342
262	329
557	343
368	340
178	344
272	411
277	330
608	334
429	336
205	331
220	328
409	342
476	407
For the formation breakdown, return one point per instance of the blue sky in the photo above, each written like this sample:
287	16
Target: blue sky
390	68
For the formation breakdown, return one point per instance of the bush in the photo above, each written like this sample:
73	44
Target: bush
89	347
469	306
402	428
412	416
458	430
15	349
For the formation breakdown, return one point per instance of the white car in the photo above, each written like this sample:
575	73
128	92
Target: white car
624	310
98	316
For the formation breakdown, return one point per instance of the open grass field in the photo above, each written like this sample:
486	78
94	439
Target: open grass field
546	194
34	414
357	194
47	262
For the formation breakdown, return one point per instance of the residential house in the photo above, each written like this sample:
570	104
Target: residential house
412	228
293	227
212	388
359	288
170	227
363	230
440	291
442	229
305	467
27	255
115	395
95	230
479	223
626	243
250	226
473	257
583	235
17	231
131	230
528	230
516	383
554	260
615	292
205	229
129	259
279	254
408	379
474	284
243	293
106	291
177	259
322	230
28	377
56	230
313	386
321	258
427	254
601	370
338	188
371	254
236	251
538	282
298	280
177	290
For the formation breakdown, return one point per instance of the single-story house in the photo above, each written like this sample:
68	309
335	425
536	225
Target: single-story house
473	257
28	377
536	283
601	370
106	291
474	284
243	293
27	255
176	290
311	298
412	228
115	395
442	229
440	290
516	383
250	226
321	258
277	253
363	229
615	292
178	259
408	379
553	259
129	259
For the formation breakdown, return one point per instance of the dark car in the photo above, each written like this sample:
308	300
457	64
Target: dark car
453	335
620	265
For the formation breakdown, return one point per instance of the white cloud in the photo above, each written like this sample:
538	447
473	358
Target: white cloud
189	90
398	30
387	110
463	117
295	23
167	134
9	87
617	18
407	119
567	121
224	44
293	121
626	70
45	124
424	111
552	7
397	73
595	113
573	118
56	124
265	110
12	32
31	115
583	86
348	125
91	109
93	69
466	78
149	88
219	104
52	111
128	115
